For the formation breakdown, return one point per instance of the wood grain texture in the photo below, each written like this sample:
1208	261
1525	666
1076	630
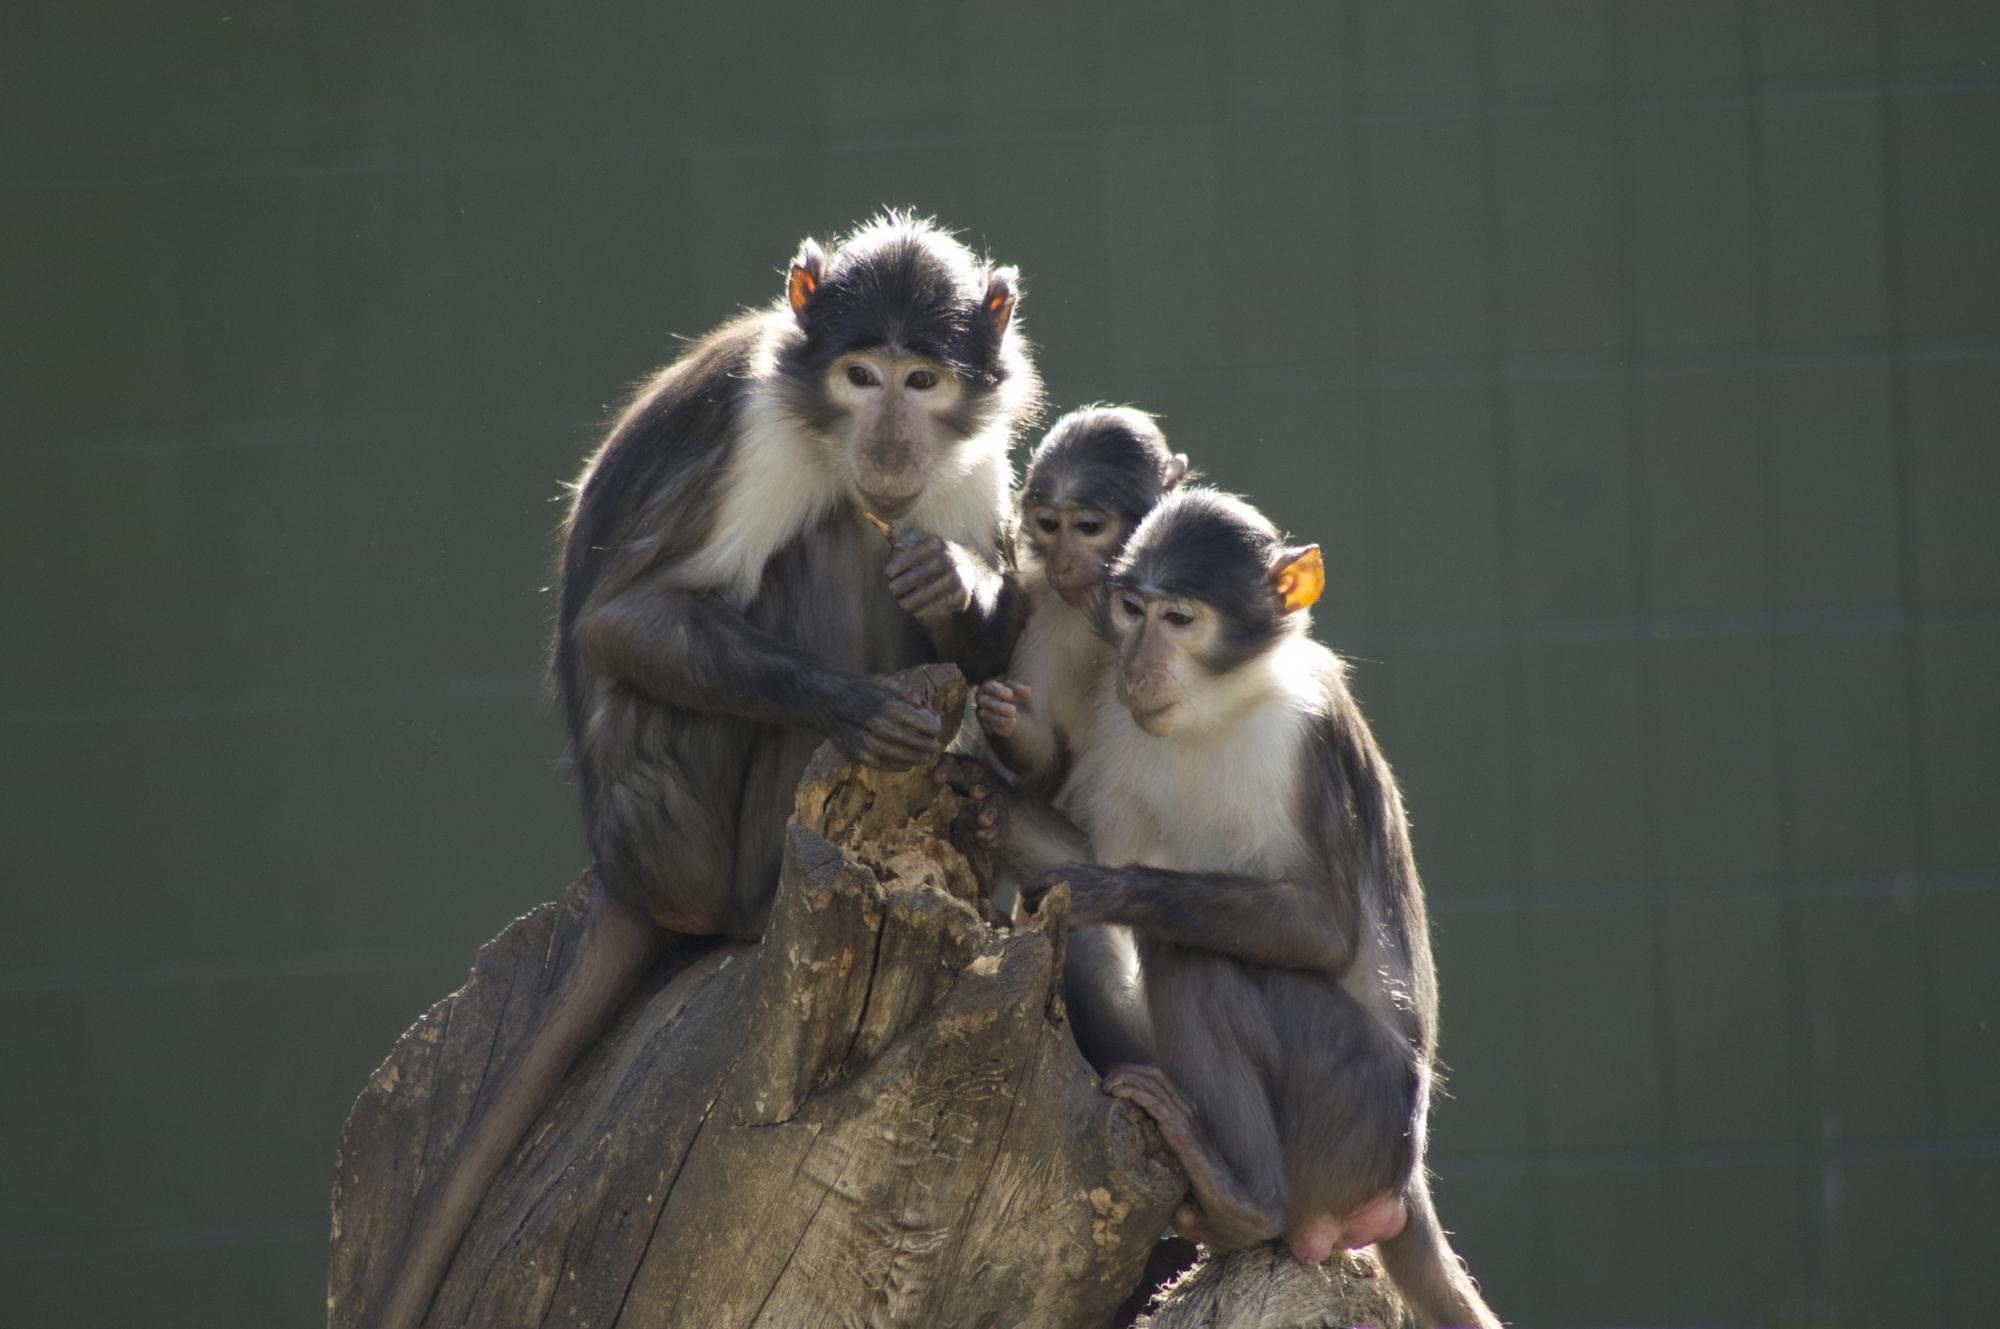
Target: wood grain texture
875	1116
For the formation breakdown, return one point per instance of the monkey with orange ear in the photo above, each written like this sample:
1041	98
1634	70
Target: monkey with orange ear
1247	833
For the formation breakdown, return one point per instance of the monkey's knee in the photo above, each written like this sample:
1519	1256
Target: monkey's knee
692	903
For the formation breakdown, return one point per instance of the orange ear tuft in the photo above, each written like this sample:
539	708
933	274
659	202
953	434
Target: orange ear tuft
1299	578
804	278
1003	290
801	288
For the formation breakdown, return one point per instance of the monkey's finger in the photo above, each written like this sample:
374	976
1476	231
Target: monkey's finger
922	574
904	746
906	556
940	596
923	594
908	718
1022	692
891	755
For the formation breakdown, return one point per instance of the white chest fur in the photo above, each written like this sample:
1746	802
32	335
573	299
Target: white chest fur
1061	656
1226	800
781	483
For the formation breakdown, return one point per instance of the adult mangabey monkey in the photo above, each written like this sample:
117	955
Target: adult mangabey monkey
1092	477
1251	836
727	604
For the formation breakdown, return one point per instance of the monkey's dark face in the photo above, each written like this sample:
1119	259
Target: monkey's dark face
1074	544
897	417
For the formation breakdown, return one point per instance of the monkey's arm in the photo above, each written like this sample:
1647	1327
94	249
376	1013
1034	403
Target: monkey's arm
1281	924
980	640
972	610
692	649
1039	837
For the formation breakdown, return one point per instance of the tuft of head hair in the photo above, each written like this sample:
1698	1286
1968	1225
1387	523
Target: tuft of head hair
1113	458
902	281
1202	544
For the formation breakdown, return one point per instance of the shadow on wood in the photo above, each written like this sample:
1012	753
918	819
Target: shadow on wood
875	1116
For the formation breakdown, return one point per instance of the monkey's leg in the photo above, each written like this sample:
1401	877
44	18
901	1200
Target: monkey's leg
1229	1217
611	957
1099	988
1429	1274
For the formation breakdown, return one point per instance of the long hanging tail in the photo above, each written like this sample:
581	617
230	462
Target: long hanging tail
1429	1274
612	956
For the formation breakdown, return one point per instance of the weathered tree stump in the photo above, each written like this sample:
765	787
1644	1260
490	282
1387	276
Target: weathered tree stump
876	1116
1266	1288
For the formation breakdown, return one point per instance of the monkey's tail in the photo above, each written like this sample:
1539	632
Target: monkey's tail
1429	1274
616	947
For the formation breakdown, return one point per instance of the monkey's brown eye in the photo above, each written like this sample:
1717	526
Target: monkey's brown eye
921	380
1131	606
1091	527
861	376
1047	525
1180	618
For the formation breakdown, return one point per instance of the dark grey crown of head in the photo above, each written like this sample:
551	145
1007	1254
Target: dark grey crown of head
1113	456
1201	543
903	283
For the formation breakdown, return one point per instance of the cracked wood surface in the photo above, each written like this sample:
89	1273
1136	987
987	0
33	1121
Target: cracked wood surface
876	1116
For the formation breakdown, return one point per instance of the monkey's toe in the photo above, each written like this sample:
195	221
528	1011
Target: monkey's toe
1150	1088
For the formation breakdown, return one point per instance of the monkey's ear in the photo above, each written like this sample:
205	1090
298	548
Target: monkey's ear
1003	292
1177	469
1298	577
806	271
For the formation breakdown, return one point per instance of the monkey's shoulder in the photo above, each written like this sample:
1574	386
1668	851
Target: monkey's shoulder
651	493
690	405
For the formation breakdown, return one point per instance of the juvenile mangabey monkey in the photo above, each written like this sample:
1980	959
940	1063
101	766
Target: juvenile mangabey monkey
1251	836
1092	477
726	605
1095	474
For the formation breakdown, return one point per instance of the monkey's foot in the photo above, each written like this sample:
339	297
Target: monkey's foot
1222	1215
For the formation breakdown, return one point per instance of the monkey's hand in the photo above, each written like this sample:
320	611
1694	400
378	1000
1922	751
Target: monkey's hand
930	576
998	705
890	730
1090	890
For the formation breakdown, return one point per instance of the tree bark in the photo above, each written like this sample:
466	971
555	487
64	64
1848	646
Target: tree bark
875	1116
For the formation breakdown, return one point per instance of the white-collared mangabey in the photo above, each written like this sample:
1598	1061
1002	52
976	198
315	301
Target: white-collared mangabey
1249	833
1090	480
727	603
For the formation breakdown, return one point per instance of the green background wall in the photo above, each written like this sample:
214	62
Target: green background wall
1636	364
